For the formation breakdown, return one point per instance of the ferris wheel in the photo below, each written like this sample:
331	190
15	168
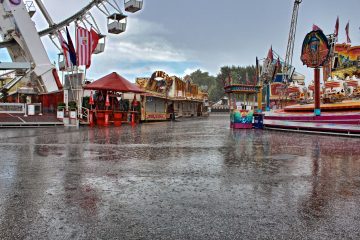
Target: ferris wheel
30	61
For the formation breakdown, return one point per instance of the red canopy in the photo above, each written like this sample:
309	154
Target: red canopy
114	82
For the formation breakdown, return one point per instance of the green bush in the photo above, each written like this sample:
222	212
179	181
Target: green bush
61	106
72	105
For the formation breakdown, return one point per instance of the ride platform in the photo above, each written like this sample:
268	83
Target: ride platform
340	106
19	120
338	122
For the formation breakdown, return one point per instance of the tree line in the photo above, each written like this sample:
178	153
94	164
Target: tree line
214	85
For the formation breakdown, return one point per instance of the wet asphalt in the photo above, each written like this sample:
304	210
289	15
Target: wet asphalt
189	179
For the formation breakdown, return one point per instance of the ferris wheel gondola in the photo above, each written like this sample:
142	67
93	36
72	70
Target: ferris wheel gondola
117	23
133	5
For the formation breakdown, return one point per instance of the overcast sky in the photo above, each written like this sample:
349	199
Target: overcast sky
180	36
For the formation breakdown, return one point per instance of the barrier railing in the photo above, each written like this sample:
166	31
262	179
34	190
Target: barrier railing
12	108
85	112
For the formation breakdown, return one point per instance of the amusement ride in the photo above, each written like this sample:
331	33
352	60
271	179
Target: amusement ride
30	63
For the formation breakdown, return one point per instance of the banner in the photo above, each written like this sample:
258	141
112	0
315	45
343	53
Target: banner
83	46
336	32
94	40
347	33
72	52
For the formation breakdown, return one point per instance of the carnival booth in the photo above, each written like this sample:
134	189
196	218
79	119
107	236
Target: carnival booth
113	99
242	98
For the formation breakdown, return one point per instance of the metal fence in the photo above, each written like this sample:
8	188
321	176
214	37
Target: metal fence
12	108
22	108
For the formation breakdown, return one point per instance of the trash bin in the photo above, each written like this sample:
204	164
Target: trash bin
259	121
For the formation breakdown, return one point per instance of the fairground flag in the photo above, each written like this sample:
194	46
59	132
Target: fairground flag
278	64
94	40
65	49
72	52
83	46
348	40
336	32
270	55
257	70
277	68
315	28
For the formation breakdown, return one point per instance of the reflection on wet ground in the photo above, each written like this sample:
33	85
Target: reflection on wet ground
191	179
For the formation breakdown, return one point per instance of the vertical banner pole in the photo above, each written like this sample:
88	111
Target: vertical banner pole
317	110
268	97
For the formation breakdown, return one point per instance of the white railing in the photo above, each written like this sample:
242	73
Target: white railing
12	108
85	112
21	108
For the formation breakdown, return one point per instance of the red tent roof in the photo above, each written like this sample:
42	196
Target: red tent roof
114	82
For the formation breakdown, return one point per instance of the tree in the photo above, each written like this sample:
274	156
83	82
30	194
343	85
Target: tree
215	85
202	79
206	82
239	74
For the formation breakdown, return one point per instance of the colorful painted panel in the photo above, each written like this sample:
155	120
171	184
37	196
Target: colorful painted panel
155	116
277	89
315	49
241	116
242	88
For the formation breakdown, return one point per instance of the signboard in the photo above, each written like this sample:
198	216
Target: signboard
60	114
315	49
66	97
73	114
277	89
156	116
242	88
31	109
12	108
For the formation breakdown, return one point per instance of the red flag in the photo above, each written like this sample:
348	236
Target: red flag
91	100
83	46
315	28
65	49
278	63
336	32
270	55
277	68
94	40
347	33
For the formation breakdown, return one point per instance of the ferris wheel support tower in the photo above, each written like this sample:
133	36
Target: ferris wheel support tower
16	24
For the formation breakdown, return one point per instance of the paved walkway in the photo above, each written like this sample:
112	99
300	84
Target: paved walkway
188	179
